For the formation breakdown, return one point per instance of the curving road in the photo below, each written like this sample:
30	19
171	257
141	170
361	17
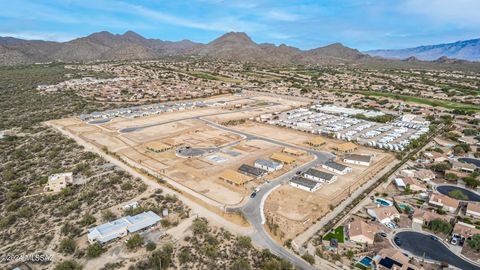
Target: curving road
474	161
423	246
138	128
253	209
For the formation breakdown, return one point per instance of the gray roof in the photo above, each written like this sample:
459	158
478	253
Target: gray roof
336	166
247	169
267	163
304	182
319	174
113	229
362	158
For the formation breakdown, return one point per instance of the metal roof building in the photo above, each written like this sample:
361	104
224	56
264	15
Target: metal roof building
358	159
336	167
268	165
120	227
305	184
252	171
319	176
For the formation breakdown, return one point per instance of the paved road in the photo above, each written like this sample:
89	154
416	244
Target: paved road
474	161
422	245
133	129
253	209
472	195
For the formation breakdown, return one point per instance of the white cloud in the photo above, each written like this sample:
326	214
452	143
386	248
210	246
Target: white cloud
280	36
453	12
223	24
61	37
280	15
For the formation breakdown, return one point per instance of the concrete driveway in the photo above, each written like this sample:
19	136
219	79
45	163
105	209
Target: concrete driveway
422	245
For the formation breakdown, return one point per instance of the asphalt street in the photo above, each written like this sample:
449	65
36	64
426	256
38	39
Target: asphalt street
133	129
423	246
472	196
253	209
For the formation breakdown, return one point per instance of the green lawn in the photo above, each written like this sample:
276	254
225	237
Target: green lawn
262	75
337	233
208	76
360	266
427	101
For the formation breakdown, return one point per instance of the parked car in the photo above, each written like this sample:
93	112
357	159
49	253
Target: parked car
397	241
253	195
391	225
454	241
433	237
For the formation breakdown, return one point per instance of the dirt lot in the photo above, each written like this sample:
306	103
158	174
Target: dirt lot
294	210
199	174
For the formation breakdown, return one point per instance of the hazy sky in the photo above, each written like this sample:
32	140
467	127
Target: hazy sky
362	24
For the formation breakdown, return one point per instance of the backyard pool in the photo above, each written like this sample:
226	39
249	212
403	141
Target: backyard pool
367	261
405	207
383	202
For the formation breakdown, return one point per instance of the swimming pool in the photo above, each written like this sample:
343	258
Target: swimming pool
383	202
405	207
367	261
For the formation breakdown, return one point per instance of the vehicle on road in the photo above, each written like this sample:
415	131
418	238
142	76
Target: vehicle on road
253	195
433	237
397	241
257	189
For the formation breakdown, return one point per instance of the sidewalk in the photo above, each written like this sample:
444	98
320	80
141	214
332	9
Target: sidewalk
302	238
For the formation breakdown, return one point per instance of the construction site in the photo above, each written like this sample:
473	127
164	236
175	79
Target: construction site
290	210
219	154
185	147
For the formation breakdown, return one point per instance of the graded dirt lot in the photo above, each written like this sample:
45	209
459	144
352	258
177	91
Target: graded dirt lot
293	209
155	146
287	135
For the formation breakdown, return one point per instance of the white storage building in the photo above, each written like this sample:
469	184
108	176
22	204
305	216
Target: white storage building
268	165
319	176
336	168
358	159
305	184
112	230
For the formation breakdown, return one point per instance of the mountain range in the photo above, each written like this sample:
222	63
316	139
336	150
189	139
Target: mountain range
235	46
463	50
